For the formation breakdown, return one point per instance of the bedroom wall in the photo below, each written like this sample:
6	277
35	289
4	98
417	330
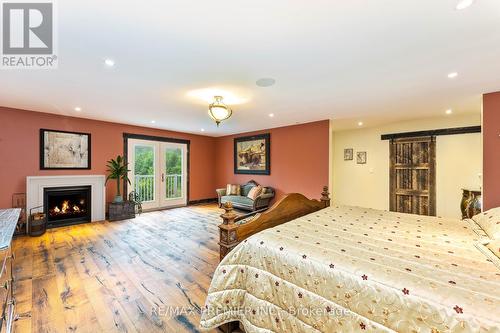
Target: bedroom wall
491	146
19	151
299	159
459	163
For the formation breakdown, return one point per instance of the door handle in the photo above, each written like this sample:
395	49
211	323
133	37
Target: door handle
162	177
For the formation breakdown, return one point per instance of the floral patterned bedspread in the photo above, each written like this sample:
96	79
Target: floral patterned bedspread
349	269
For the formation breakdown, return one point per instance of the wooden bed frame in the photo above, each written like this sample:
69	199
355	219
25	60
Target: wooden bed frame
288	208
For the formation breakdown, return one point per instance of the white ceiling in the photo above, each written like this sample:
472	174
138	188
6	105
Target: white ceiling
353	60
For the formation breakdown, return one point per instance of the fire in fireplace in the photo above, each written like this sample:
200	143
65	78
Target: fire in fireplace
67	205
69	208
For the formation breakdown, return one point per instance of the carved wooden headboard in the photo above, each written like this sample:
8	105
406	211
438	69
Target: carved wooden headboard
290	207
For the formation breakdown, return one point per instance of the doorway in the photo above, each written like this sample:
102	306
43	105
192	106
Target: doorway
159	171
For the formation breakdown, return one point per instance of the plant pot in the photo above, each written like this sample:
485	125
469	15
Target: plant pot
118	199
118	211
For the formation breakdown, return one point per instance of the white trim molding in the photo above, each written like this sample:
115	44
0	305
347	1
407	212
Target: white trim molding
36	184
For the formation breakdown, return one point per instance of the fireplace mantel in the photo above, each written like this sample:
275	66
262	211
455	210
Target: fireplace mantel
36	184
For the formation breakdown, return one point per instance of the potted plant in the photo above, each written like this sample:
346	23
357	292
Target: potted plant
118	170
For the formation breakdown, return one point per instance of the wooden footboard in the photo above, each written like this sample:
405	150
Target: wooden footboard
288	208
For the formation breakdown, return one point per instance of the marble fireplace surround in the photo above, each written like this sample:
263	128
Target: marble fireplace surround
36	184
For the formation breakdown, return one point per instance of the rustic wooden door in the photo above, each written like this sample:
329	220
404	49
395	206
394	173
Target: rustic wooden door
413	175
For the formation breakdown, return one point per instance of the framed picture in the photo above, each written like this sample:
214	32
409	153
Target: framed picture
64	150
348	154
252	154
361	157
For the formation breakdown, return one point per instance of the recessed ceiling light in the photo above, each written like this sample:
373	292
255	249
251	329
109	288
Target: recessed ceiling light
452	75
360	123
462	4
153	121
203	130
449	111
265	82
78	109
109	62
271	115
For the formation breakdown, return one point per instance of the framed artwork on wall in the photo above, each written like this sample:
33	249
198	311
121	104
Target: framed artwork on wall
361	157
252	155
348	154
61	150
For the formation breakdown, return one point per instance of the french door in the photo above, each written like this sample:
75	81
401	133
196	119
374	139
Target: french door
158	173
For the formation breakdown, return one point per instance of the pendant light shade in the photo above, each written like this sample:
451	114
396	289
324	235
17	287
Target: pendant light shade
219	111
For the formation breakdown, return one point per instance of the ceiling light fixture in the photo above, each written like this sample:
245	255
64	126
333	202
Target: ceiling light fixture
360	123
452	75
271	115
109	62
153	121
219	111
78	109
203	130
449	111
462	4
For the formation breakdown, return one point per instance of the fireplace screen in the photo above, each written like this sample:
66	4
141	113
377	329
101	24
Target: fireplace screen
67	205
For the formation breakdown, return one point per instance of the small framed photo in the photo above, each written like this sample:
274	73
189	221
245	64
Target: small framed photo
348	154
361	157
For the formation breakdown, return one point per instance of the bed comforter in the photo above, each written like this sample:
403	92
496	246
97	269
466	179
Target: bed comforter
349	269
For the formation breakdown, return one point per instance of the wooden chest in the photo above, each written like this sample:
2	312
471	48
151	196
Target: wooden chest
121	211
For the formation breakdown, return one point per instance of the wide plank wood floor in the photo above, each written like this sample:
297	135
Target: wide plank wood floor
127	276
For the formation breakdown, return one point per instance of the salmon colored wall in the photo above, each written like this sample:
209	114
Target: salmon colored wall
299	159
299	154
19	151
491	150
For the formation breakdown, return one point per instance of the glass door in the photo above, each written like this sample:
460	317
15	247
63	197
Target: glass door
174	180
142	158
158	173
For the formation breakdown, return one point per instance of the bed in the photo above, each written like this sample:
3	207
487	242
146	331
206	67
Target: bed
351	269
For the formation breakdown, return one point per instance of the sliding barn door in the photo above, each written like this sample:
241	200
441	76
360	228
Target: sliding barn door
413	176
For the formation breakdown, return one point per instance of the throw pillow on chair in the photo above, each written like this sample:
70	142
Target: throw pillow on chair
233	189
255	192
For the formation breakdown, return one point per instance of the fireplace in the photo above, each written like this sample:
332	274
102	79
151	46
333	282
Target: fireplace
67	205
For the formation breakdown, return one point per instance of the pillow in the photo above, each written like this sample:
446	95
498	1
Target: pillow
255	192
246	188
494	247
233	189
477	229
491	249
489	221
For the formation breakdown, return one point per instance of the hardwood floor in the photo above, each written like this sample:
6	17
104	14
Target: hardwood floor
118	276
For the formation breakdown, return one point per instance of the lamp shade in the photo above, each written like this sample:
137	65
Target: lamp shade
219	111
